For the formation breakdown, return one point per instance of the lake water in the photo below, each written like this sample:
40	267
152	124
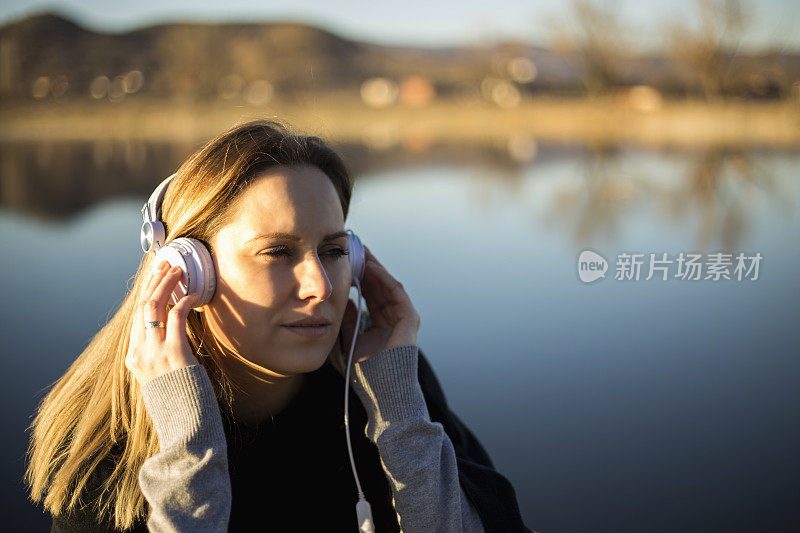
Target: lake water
616	405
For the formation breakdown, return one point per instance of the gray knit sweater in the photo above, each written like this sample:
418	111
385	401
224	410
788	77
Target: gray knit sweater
187	483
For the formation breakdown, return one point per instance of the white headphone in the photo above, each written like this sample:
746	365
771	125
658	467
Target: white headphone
199	277
194	258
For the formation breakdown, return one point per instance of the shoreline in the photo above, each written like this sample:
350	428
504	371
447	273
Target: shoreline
680	124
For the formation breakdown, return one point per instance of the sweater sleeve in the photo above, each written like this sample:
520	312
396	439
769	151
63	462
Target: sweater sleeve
416	453
492	495
186	483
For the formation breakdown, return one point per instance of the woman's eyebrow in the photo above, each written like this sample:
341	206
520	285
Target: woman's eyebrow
278	235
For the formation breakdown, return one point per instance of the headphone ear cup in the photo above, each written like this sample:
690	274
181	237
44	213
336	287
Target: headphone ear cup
356	256
195	261
152	235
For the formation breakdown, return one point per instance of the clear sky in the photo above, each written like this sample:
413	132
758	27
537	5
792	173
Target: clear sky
417	22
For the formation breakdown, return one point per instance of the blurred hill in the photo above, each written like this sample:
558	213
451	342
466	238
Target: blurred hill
50	56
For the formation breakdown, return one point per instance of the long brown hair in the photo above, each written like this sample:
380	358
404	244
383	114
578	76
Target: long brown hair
97	406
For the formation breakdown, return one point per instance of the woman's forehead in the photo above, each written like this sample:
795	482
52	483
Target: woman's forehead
289	200
292	187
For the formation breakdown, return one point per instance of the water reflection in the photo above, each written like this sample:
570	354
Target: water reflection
58	180
592	208
716	188
712	187
721	186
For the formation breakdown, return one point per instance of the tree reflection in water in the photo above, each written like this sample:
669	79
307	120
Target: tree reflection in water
719	186
722	185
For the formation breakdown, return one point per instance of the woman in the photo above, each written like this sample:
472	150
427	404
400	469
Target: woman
225	411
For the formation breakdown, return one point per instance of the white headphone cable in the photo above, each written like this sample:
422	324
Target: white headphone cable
363	510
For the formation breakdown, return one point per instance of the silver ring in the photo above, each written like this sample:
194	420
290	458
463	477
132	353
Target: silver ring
155	325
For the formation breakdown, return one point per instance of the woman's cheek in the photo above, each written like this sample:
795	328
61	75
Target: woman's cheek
345	272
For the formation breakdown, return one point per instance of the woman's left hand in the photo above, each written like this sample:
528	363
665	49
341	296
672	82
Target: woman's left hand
395	321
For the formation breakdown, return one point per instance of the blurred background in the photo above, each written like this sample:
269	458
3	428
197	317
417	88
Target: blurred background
491	143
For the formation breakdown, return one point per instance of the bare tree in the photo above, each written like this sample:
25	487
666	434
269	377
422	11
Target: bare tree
594	32
706	52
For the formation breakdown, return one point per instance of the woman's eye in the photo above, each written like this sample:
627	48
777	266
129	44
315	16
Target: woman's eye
337	252
283	251
276	252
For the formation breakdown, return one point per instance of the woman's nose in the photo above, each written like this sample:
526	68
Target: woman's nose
313	279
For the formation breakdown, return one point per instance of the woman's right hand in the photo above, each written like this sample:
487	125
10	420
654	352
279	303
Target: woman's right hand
154	351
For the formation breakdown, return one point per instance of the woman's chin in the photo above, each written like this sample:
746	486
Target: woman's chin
289	363
304	360
309	363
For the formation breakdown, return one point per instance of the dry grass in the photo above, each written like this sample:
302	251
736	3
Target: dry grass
343	118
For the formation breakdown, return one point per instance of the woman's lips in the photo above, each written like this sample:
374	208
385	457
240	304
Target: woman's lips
313	332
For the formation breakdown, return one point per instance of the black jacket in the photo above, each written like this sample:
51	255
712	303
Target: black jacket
294	469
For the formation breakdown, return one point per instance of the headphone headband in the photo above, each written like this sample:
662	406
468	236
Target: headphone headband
151	212
153	230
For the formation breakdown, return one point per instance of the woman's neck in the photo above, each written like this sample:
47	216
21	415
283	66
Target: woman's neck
258	396
258	393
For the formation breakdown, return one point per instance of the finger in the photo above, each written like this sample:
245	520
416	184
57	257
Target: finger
164	289
155	278
377	282
138	329
376	301
389	299
155	307
391	288
373	293
176	321
368	255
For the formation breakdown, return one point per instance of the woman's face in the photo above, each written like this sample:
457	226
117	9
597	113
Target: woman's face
281	259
